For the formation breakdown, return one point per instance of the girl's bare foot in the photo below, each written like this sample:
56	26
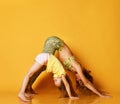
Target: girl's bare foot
29	95
23	97
74	98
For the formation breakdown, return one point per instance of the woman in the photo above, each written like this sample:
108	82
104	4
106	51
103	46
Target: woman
69	61
54	43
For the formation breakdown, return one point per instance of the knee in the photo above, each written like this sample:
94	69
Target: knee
86	82
30	74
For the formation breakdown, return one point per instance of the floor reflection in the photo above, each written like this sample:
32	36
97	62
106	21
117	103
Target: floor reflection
22	102
79	101
53	98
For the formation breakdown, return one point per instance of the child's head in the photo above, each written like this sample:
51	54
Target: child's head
58	81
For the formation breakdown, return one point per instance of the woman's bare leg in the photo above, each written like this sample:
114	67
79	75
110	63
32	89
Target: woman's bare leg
86	82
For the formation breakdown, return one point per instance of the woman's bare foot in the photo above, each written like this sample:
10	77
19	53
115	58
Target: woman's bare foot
104	94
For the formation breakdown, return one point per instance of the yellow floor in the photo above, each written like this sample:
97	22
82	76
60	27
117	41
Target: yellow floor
52	97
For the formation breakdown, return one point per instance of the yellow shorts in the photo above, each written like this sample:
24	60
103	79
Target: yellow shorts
55	67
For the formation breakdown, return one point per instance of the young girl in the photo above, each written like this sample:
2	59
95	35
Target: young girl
51	45
54	66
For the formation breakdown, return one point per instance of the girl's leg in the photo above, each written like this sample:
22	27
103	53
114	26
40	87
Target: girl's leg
22	95
32	79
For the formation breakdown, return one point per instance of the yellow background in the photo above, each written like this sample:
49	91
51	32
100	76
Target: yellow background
91	28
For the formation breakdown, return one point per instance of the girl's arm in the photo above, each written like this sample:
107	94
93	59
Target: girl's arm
67	86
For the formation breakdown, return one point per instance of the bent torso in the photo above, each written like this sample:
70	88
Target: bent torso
64	53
